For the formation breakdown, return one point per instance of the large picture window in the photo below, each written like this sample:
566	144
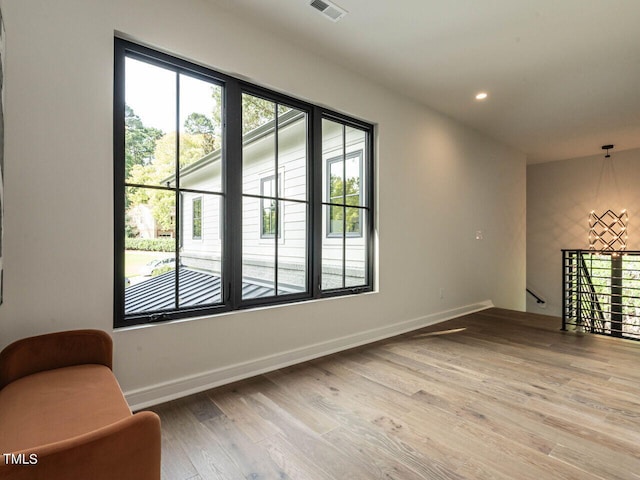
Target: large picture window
235	166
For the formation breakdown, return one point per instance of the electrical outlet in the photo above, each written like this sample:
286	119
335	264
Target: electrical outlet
441	293
479	235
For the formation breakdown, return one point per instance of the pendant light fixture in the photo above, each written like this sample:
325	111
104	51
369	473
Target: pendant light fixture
608	231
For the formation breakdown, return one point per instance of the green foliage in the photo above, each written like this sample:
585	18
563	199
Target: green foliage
600	275
337	188
140	141
160	270
130	228
196	227
199	124
151	154
257	111
352	198
159	171
150	244
269	219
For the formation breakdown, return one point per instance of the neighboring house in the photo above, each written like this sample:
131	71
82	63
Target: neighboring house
141	218
262	235
270	229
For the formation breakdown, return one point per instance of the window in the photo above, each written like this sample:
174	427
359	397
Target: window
209	153
347	205
268	226
196	218
343	184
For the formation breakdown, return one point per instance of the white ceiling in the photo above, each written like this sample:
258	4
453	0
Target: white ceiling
563	76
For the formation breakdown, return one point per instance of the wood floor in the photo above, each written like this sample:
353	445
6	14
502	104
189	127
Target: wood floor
493	395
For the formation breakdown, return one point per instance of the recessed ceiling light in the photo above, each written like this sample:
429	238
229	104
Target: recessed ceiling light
481	96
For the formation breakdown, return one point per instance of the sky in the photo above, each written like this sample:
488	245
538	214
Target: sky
151	92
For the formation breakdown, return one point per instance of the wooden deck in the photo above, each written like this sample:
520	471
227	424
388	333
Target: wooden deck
493	395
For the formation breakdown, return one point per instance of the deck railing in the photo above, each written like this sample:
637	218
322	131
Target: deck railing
601	292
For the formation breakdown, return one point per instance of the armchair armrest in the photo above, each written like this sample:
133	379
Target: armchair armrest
129	449
54	350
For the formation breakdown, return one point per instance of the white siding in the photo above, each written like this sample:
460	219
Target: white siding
258	251
206	252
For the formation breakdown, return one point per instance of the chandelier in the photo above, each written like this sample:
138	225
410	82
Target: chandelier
608	231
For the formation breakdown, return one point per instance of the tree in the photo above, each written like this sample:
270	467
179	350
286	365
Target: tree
199	124
151	156
140	141
256	111
159	171
352	194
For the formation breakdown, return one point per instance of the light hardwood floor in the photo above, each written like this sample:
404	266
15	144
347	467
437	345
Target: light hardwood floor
495	395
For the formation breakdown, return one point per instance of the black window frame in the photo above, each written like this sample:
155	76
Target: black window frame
232	194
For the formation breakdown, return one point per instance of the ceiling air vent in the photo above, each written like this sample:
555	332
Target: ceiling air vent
328	9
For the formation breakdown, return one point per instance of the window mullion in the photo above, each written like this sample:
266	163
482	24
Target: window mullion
232	171
276	193
344	207
177	200
316	185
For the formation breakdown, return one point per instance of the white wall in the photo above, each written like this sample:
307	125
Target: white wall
560	196
438	182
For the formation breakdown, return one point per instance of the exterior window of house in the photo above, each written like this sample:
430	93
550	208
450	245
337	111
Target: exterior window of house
343	184
196	215
268	225
207	152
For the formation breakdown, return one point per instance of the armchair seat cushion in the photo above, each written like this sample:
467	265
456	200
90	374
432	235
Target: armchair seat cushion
54	405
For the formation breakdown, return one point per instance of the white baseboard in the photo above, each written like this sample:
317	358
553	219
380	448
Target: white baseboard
181	387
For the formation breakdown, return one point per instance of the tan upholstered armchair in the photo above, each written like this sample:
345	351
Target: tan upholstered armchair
63	415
